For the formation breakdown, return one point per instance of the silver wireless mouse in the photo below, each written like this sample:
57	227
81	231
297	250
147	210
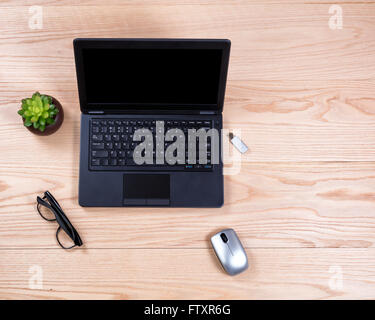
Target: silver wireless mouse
230	251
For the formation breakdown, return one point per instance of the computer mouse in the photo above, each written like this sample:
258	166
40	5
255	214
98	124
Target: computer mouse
230	252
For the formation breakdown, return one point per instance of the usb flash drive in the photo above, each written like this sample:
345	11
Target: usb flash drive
238	143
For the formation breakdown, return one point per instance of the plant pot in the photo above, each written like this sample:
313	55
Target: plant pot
52	128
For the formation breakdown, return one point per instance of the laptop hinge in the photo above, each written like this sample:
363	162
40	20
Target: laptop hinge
206	112
96	112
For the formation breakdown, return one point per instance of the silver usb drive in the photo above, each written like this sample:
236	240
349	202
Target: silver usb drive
238	143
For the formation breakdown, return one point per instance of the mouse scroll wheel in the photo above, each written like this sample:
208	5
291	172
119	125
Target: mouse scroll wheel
224	237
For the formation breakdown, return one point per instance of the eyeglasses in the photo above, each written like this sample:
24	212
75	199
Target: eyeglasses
50	210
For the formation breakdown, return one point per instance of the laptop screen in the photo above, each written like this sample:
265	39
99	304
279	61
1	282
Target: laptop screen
156	77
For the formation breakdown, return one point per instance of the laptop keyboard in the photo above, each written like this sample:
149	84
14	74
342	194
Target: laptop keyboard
112	145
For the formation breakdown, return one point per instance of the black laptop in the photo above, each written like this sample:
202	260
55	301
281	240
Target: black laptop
138	97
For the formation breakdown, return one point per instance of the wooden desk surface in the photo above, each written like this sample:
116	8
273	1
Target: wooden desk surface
303	202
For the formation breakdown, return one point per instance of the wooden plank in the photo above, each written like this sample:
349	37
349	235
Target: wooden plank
269	41
74	3
279	121
270	205
193	274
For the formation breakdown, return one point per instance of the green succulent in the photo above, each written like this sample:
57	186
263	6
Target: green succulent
38	111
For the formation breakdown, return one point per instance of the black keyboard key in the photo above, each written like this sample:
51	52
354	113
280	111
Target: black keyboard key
121	162
115	137
113	154
95	129
95	162
98	145
128	129
109	145
121	154
99	154
107	137
97	137
113	162
104	162
130	162
129	154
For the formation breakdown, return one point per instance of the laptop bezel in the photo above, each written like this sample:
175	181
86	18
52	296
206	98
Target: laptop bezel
82	43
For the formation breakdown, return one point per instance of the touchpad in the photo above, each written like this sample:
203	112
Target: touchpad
146	189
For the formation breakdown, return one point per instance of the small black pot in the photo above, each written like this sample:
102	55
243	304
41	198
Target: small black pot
52	128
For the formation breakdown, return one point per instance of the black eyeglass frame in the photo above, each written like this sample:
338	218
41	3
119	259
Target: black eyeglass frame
50	203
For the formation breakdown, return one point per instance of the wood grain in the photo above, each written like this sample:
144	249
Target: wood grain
264	37
158	274
150	3
270	205
280	121
302	202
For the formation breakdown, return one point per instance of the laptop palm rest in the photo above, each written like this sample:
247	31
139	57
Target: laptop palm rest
146	189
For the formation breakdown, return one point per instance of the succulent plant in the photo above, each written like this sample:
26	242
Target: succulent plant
38	111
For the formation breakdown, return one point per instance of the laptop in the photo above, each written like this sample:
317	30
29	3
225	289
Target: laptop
151	120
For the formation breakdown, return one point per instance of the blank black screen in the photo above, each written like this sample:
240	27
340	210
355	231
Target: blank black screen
152	76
